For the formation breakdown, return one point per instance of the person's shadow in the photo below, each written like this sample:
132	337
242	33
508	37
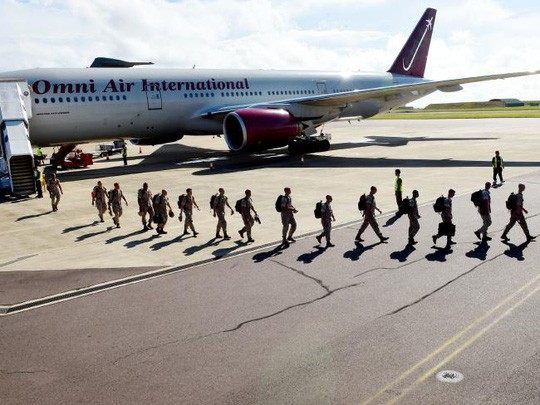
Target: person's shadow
392	220
33	216
515	252
194	249
402	255
77	227
134	243
359	249
122	237
479	252
161	245
262	256
307	258
439	255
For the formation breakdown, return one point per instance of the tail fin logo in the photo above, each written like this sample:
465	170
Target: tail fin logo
429	27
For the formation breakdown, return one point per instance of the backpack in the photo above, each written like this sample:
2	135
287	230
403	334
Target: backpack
318	209
405	206
181	201
439	204
511	202
238	206
476	198
213	201
278	203
155	199
362	203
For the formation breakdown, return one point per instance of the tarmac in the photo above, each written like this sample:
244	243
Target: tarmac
46	252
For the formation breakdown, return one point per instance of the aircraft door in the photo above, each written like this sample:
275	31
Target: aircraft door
321	88
154	100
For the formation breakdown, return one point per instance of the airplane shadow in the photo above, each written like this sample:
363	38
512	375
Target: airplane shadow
402	255
479	252
439	255
76	228
355	253
307	258
516	251
33	216
174	156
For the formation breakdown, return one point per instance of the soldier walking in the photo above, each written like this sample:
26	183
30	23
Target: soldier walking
144	199
55	191
115	203
516	215
187	205
484	209
327	216
287	218
369	217
99	199
498	166
447	229
161	211
220	202
247	207
414	225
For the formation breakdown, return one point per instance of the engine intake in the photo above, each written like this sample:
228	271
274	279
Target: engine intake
258	128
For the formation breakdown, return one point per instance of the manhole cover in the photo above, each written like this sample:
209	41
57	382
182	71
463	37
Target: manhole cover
449	376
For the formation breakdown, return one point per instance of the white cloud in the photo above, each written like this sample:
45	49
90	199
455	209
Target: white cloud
470	38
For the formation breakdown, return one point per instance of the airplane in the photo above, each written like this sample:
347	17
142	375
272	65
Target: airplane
253	109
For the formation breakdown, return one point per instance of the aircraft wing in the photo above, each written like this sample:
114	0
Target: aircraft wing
342	100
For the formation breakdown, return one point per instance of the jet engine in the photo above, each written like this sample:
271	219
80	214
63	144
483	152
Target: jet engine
258	128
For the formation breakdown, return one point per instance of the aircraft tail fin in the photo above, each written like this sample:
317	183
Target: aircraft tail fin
412	59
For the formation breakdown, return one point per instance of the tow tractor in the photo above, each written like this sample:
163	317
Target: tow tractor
67	157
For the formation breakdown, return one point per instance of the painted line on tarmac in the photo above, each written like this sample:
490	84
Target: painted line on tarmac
506	306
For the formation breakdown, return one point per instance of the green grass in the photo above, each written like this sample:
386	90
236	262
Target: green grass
465	113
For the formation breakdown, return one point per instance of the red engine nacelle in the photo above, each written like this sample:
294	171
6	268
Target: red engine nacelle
257	128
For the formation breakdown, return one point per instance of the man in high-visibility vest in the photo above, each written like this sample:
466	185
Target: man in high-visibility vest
398	190
498	166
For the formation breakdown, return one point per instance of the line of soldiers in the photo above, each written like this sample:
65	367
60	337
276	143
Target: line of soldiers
156	209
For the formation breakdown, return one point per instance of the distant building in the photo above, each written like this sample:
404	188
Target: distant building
508	102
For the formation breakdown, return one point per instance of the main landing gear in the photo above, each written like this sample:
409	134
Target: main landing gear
309	144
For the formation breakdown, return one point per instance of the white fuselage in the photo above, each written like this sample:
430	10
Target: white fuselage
81	105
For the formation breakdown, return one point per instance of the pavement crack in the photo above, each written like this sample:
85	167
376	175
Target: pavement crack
7	372
390	268
318	281
442	286
146	349
261	318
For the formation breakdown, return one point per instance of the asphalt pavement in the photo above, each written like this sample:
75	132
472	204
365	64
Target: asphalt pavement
357	323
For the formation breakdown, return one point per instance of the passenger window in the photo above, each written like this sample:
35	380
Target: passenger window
124	97
36	100
118	98
68	99
53	100
83	99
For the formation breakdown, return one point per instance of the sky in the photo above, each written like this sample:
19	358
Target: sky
471	37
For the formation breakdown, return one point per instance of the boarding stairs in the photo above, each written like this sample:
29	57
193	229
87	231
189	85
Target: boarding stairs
16	155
